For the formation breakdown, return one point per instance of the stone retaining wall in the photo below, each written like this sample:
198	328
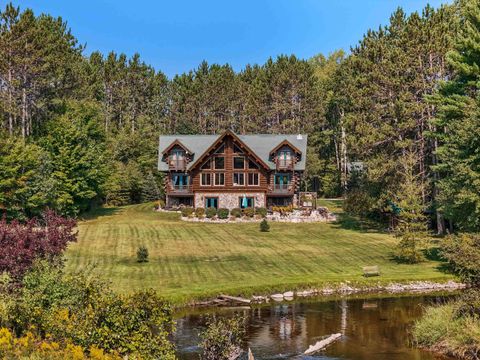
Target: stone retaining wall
229	200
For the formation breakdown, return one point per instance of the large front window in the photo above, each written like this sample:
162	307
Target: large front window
206	179
239	162
253	179
219	179
238	179
219	163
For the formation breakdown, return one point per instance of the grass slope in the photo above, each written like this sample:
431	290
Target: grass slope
195	260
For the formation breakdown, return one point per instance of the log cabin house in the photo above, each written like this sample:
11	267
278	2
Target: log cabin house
232	171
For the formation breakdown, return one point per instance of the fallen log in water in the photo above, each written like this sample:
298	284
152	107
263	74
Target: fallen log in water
234	298
250	355
320	345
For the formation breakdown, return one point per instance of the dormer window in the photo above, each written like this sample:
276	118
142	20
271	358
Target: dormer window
177	159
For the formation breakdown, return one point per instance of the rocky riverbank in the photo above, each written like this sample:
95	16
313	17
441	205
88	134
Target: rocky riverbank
342	289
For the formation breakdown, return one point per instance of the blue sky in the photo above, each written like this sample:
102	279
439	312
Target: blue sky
175	36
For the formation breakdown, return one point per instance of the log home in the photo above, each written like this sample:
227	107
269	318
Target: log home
232	171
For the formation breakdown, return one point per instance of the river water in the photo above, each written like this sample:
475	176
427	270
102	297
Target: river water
373	329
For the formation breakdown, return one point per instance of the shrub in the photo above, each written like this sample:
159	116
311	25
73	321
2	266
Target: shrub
142	254
236	212
468	304
283	210
264	226
248	212
261	211
223	213
86	313
358	202
22	244
200	212
463	253
222	340
187	211
211	212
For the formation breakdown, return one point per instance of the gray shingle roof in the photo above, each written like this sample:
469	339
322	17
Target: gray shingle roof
261	144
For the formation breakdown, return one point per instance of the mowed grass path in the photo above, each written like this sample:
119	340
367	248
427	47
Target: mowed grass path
196	260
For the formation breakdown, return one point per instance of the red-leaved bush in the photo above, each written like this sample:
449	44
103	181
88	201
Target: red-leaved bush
39	238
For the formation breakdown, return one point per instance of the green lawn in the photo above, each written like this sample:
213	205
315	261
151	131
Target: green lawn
195	260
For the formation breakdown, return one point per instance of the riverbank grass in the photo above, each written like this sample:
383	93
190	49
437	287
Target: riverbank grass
199	260
440	330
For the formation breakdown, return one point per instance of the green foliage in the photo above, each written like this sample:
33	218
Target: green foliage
236	212
24	179
358	202
75	143
264	226
412	227
85	312
248	212
463	253
223	338
261	211
223	213
142	254
187	211
200	212
457	127
211	212
452	328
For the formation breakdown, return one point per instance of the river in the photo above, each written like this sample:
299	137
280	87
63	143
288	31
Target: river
374	329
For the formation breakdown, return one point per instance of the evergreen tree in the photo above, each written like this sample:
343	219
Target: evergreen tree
458	126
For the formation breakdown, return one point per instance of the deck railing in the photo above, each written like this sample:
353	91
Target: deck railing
177	164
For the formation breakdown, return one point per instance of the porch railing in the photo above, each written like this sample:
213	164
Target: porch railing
177	164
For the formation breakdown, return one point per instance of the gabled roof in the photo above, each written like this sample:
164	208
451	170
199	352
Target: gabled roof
285	143
179	143
217	142
261	145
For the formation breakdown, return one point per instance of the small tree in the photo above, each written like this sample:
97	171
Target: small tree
412	228
264	226
142	254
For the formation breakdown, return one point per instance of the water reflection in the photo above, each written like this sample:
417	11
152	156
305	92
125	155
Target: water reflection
373	329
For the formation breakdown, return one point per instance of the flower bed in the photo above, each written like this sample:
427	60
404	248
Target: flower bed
278	214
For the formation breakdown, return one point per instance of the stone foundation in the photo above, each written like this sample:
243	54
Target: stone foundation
229	200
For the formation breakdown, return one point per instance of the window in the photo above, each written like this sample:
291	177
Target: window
238	179
236	149
206	179
207	165
253	179
252	165
211	202
221	150
219	179
219	163
239	162
244	202
282	179
180	181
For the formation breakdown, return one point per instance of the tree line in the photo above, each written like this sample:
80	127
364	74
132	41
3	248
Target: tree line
80	130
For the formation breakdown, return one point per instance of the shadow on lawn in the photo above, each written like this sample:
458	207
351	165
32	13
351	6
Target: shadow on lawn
99	212
349	222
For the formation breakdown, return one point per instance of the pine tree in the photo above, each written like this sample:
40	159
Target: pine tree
412	228
458	127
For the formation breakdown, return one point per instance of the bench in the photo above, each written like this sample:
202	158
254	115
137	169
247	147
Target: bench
371	271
